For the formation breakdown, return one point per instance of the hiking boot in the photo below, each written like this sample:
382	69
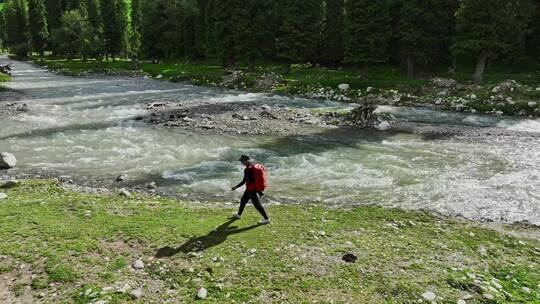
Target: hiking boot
264	222
236	216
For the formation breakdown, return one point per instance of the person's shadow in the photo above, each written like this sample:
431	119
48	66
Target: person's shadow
201	243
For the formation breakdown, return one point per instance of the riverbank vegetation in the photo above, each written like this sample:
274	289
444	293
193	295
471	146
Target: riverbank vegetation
64	246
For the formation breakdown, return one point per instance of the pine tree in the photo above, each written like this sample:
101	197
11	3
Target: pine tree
54	14
115	25
3	31
17	26
332	46
255	33
533	39
421	30
226	15
489	28
367	32
136	15
155	26
299	32
39	32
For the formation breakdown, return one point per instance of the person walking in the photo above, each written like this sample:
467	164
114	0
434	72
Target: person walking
255	179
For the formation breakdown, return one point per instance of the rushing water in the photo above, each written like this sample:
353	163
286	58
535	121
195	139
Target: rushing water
82	127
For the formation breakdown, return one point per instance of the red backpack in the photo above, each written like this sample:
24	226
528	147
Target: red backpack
260	176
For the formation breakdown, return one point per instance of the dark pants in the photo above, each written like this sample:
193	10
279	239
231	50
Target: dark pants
252	195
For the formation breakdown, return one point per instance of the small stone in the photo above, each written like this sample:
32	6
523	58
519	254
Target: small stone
344	86
461	301
532	104
124	192
124	288
121	178
136	293
2	195
467	296
429	296
101	302
152	185
322	233
488	296
138	264
252	250
202	293
526	289
369	89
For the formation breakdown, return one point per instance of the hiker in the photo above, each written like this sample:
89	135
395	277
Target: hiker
255	180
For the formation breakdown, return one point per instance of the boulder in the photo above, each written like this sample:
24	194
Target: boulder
383	126
344	86
7	160
9	184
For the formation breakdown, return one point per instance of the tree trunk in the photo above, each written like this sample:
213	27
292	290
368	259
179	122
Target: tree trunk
480	68
365	68
287	68
410	66
252	62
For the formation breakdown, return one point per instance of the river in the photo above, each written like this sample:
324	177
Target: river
83	127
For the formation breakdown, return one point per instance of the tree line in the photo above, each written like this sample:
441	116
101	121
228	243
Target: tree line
415	34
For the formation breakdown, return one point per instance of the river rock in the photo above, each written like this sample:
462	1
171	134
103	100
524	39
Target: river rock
124	192
370	89
121	178
488	296
152	186
138	264
202	293
444	83
383	126
532	104
136	293
9	184
461	301
429	296
7	160
2	195
344	86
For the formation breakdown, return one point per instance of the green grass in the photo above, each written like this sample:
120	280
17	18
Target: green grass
84	243
4	77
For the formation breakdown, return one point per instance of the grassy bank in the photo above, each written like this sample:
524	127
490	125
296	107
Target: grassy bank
4	78
63	247
382	85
